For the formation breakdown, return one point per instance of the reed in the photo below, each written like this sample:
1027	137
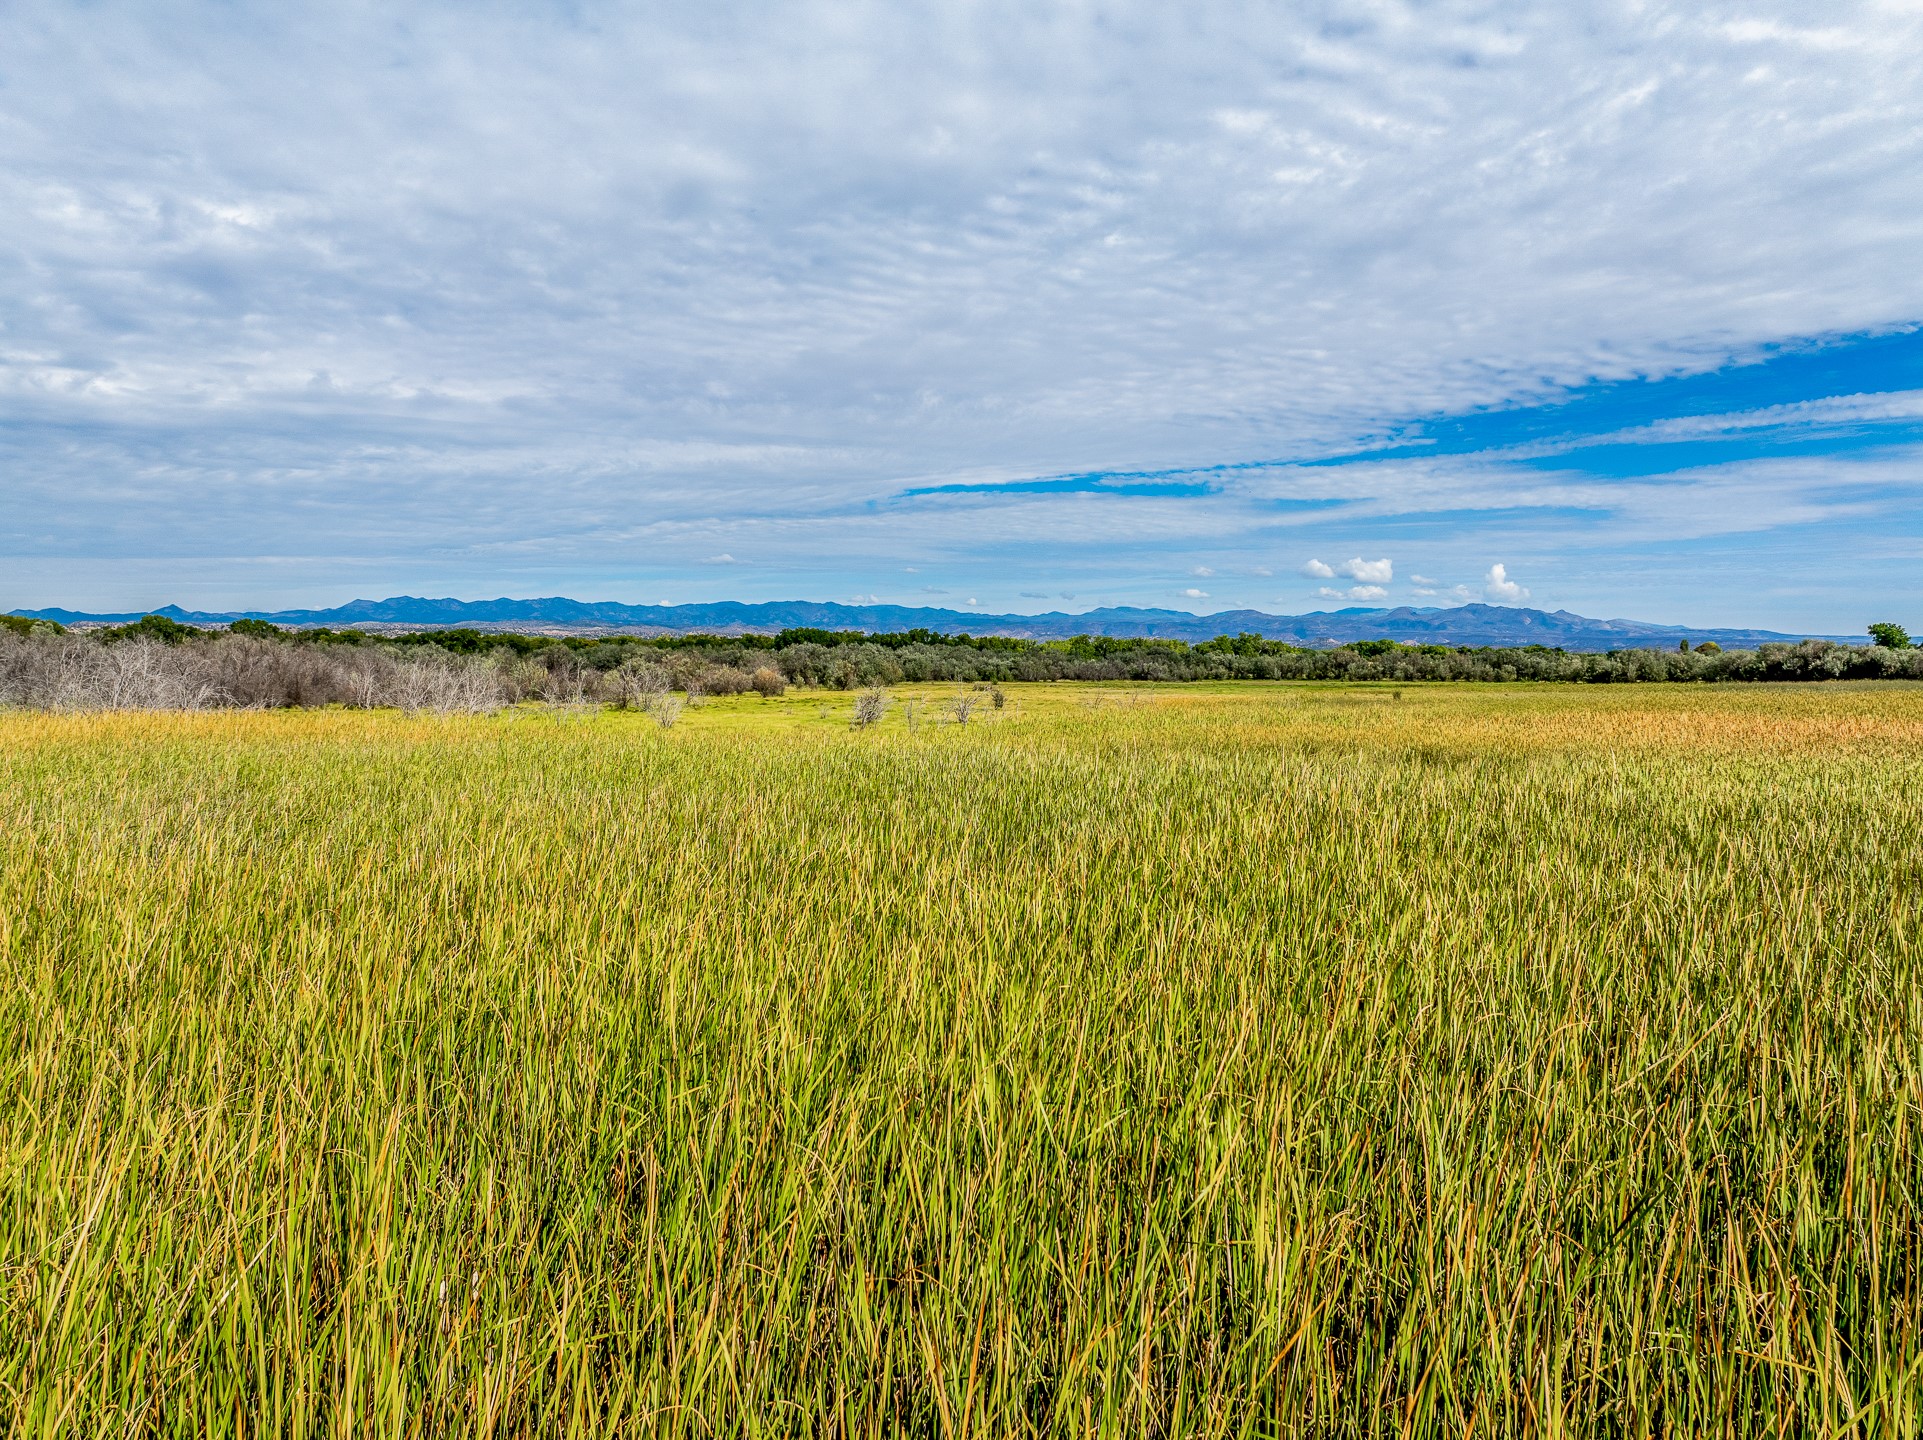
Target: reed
1276	1060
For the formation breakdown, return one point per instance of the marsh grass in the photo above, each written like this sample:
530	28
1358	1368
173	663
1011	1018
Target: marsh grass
1284	1061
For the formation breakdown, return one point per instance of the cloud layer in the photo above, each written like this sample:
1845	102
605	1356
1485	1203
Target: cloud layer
304	301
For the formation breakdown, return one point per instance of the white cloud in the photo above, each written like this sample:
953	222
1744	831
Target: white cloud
721	559
1373	572
1203	571
1315	569
1195	594
430	293
1499	587
1422	580
1354	592
1261	570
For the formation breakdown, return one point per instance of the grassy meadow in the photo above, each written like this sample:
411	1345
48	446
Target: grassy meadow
1234	1060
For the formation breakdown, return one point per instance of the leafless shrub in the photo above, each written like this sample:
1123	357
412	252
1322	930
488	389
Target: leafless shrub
572	693
70	672
637	684
521	678
962	705
73	672
869	707
666	709
444	684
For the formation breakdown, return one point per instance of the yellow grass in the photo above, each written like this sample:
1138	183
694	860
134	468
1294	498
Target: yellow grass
1240	1060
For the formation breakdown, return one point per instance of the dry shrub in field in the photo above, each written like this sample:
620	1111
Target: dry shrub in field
666	709
637	684
444	684
870	706
521	678
236	672
768	682
724	680
963	705
69	672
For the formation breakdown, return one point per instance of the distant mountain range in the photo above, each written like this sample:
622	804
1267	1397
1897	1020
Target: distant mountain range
1461	625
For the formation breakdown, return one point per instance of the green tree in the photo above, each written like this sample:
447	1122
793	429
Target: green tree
1890	637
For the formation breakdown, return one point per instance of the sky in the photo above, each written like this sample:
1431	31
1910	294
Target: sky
1610	307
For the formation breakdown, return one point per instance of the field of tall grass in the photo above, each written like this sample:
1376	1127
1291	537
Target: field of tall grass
1246	1060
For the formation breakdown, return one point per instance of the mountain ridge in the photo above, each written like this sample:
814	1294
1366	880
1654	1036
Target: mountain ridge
1472	624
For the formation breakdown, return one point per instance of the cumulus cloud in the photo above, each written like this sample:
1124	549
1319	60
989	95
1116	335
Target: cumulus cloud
722	559
1421	580
1203	571
1194	594
1372	572
1316	570
1354	592
1500	588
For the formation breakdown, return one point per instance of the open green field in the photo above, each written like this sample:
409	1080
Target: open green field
1237	1060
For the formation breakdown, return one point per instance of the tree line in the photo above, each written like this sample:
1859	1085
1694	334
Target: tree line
157	662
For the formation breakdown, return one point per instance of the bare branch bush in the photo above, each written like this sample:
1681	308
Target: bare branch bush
521	678
637	684
572	693
870	706
666	709
962	705
73	672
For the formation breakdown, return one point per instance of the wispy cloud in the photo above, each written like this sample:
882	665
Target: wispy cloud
302	300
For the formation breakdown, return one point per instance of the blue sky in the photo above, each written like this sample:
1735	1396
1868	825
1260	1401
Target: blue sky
1610	307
